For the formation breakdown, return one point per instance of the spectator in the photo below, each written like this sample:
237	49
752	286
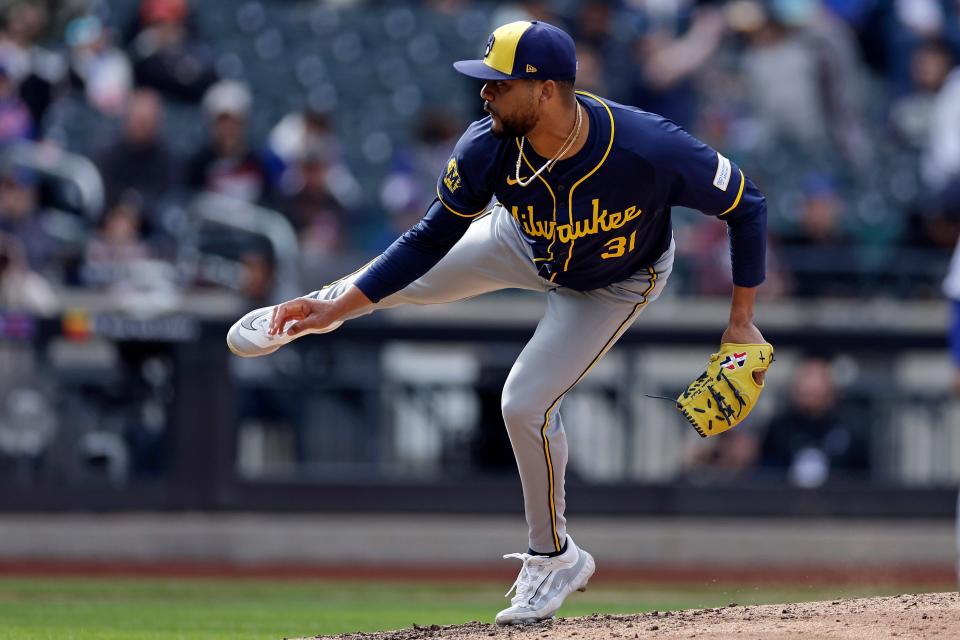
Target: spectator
667	61
904	26
817	248
35	72
599	26
101	70
226	164
706	254
729	457
139	159
820	216
21	218
300	130
320	220
911	115
22	289
937	223
257	281
813	436
118	246
805	82
167	53
268	409
921	120
411	185
941	161
311	129
15	122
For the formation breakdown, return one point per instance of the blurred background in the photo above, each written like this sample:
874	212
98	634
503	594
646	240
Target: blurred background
166	165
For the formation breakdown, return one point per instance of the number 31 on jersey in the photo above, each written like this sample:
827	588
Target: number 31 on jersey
620	245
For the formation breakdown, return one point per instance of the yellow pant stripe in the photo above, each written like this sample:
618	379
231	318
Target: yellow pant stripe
546	415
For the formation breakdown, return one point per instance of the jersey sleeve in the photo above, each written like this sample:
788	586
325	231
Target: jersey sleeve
698	177
465	185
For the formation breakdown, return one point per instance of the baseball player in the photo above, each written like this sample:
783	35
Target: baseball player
581	191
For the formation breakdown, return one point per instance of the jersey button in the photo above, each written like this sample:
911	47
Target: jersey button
561	188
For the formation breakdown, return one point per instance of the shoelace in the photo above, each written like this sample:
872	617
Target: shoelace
527	580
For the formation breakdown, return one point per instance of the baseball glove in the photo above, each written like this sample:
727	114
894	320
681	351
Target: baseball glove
726	392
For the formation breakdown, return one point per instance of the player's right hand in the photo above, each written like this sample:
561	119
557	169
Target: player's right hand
305	313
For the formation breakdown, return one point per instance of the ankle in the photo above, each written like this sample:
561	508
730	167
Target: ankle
551	554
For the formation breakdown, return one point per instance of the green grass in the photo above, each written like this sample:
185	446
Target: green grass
195	609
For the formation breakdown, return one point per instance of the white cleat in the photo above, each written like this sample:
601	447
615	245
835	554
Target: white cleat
544	583
250	335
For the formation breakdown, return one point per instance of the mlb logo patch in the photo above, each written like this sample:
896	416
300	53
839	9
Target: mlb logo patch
734	361
721	180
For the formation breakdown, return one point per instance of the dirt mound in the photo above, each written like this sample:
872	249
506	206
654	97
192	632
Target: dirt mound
931	615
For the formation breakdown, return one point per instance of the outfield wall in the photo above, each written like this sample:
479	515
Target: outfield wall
910	550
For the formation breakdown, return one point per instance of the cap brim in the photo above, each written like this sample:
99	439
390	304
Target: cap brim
477	69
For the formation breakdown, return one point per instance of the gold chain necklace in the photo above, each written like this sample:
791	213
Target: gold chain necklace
574	134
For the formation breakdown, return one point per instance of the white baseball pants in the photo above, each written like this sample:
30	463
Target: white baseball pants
577	329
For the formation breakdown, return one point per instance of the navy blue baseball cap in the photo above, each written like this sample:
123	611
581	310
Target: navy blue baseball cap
524	50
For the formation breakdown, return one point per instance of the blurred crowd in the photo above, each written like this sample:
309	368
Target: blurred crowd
846	112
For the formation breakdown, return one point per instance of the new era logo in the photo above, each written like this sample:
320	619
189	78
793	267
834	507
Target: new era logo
531	68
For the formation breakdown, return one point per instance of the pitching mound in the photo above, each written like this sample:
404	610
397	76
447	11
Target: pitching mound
932	615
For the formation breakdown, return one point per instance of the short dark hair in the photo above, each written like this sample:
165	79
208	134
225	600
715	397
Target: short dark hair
566	90
565	87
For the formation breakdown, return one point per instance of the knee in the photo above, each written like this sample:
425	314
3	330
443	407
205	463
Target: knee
518	410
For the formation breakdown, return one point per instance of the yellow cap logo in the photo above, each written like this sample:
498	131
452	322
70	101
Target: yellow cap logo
531	68
502	44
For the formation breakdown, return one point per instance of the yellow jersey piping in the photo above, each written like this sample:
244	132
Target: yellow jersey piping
455	212
552	197
743	180
592	171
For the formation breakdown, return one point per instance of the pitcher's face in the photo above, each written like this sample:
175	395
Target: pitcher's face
513	105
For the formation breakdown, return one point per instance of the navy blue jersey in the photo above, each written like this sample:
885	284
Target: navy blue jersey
595	218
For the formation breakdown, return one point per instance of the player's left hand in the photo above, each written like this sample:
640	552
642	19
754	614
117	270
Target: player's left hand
745	333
